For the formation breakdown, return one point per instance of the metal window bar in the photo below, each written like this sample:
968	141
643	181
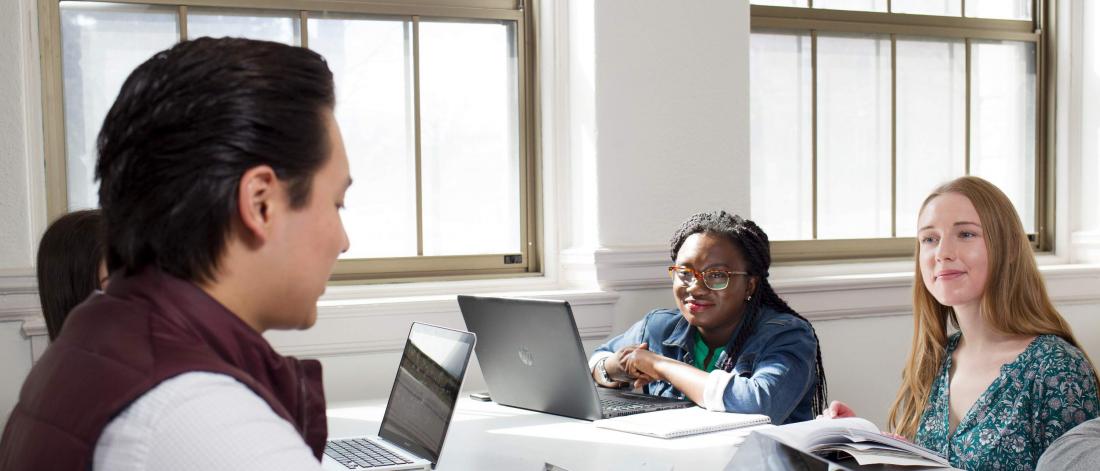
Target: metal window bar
813	127
181	18
966	107
303	28
893	135
417	165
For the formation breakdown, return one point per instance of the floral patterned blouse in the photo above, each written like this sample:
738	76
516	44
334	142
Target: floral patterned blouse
1047	390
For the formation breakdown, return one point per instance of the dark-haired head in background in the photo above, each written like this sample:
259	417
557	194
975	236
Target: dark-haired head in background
222	174
70	265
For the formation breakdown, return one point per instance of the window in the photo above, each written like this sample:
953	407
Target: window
859	108
435	102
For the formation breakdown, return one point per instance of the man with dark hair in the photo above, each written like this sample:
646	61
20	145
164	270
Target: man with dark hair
222	173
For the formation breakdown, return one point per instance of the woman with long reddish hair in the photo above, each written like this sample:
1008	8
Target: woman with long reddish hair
1012	378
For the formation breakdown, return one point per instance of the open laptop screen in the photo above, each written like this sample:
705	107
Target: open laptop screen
424	394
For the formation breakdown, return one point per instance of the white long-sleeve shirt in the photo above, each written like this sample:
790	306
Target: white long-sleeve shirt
202	421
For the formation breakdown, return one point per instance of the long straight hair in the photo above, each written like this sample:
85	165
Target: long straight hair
1014	299
68	265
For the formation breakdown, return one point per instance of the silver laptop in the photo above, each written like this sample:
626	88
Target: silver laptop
532	358
419	411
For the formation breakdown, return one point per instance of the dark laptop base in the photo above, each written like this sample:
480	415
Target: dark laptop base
635	403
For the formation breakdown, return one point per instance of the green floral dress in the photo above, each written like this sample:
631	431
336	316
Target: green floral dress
1046	391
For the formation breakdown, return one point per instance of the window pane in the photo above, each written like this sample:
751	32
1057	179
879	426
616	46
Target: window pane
781	3
861	5
371	61
1002	101
928	7
853	160
1002	9
780	81
470	138
277	26
101	44
931	122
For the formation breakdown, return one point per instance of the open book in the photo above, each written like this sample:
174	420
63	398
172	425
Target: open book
681	422
855	437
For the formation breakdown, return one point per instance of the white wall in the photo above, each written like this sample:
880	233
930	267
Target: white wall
17	137
19	210
638	95
671	109
1083	148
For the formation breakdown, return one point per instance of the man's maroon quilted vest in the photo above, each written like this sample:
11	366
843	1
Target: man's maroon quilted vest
117	345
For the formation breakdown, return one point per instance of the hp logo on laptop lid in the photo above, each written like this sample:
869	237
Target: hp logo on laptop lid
526	357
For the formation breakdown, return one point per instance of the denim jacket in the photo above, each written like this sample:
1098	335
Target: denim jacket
775	375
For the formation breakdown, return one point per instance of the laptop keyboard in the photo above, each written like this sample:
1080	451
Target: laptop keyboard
610	404
360	453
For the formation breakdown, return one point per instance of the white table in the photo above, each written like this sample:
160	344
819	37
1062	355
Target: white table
484	436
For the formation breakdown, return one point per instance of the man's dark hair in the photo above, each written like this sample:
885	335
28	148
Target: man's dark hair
186	126
754	246
69	255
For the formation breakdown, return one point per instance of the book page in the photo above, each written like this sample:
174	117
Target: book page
857	437
812	433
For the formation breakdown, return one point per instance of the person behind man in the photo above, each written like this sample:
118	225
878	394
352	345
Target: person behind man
732	344
222	173
71	265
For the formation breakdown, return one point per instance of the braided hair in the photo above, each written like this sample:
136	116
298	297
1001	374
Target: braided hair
754	246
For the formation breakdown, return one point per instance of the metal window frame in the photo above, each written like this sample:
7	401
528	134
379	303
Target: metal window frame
357	271
1037	31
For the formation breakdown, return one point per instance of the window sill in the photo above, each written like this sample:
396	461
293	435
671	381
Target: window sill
837	290
359	326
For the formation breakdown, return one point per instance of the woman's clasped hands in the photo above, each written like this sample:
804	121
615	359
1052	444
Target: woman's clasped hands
637	365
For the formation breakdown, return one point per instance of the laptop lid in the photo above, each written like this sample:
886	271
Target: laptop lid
425	391
531	355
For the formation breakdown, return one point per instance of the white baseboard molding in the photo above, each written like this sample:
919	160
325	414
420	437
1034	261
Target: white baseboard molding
366	326
19	296
832	291
378	326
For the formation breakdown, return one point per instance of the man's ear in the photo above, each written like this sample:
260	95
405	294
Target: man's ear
256	199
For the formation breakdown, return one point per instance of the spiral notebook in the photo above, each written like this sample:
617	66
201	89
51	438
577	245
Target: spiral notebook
681	422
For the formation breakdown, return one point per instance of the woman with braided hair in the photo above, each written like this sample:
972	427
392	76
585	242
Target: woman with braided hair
733	344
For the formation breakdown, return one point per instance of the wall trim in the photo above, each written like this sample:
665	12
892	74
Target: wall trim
18	282
353	326
392	344
838	290
344	326
19	300
380	325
